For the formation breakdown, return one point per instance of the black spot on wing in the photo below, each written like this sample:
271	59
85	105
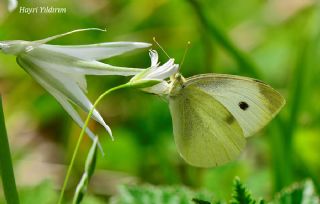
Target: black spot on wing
243	105
275	100
230	119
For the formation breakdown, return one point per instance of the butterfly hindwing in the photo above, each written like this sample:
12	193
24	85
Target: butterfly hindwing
252	102
206	133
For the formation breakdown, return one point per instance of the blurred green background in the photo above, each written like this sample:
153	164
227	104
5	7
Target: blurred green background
277	41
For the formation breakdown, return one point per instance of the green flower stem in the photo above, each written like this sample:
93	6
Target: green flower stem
75	152
6	169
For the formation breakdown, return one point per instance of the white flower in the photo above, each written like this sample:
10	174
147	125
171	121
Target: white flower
61	70
12	5
156	74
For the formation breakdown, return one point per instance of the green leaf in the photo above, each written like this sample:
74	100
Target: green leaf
241	194
43	193
243	59
89	170
92	158
162	195
81	189
198	201
6	169
298	193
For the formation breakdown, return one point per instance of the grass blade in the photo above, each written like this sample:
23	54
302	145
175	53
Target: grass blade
6	169
245	63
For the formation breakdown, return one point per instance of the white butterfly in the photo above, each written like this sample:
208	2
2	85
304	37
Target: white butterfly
213	114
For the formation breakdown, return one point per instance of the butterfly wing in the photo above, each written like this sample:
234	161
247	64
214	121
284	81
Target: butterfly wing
252	102
205	132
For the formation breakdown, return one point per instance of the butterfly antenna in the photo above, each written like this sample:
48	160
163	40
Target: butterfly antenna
184	55
154	39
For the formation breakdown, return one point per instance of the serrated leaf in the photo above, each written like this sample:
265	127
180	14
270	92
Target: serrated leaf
241	194
156	195
198	201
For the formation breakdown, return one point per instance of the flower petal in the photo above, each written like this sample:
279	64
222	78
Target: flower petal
90	52
159	89
96	51
69	64
164	71
63	83
69	108
61	99
12	5
80	79
154	58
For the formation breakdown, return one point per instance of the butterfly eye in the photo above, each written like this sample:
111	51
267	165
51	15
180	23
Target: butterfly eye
243	105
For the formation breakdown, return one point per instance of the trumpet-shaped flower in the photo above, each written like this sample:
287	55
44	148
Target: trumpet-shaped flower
12	5
61	70
156	75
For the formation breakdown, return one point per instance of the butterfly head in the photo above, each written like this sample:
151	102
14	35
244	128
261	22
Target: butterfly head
177	83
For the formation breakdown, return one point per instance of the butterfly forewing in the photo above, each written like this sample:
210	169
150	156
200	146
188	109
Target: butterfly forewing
205	132
252	102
